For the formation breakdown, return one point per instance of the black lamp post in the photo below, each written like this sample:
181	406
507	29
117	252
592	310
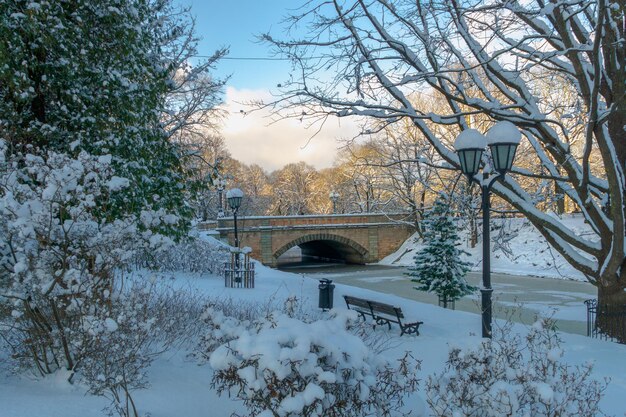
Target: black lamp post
234	198
334	196
503	139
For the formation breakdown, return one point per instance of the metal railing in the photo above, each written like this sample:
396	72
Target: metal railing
606	322
239	273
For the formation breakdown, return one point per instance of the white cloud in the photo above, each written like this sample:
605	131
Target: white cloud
253	138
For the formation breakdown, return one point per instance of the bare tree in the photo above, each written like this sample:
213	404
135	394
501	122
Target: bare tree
293	189
254	182
359	167
484	58
191	107
411	169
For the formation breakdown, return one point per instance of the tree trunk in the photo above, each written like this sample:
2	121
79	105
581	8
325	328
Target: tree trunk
611	312
473	231
559	195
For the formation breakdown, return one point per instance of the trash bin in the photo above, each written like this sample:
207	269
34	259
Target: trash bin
326	294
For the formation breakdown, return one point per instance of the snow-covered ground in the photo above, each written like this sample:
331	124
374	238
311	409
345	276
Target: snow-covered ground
530	254
181	387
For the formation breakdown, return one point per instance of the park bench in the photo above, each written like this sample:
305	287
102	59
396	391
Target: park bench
382	314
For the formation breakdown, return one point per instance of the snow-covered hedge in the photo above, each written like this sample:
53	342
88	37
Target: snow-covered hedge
190	255
514	376
57	252
283	366
223	320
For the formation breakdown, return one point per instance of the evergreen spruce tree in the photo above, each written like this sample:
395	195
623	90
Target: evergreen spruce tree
95	76
438	266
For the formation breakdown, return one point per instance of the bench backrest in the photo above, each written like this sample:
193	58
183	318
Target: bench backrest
358	302
374	305
386	309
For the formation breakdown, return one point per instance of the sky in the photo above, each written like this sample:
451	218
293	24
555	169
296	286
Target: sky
252	138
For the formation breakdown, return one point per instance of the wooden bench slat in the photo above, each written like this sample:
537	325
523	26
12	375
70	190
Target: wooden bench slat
386	309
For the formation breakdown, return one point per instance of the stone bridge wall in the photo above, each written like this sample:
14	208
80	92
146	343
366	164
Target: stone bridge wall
361	238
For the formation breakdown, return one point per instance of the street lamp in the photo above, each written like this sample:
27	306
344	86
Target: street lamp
220	183
503	139
334	196
234	197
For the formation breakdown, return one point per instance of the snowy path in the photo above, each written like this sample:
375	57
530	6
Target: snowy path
534	294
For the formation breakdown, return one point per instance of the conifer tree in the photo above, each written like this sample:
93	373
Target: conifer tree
95	76
438	266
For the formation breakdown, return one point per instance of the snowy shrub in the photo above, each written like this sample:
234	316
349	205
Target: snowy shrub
223	320
219	330
57	255
286	367
190	255
142	322
513	375
59	251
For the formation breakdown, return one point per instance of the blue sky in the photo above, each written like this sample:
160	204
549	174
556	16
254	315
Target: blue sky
234	24
251	138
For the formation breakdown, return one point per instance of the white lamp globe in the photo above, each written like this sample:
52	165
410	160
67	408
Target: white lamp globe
469	146
503	139
234	197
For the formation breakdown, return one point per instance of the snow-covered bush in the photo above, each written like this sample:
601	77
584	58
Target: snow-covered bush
219	329
59	251
223	320
57	255
189	255
513	375
142	321
286	367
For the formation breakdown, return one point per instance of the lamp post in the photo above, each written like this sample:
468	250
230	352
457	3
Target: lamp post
334	196
234	197
503	139
220	183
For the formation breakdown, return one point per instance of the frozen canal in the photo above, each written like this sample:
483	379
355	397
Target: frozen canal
518	297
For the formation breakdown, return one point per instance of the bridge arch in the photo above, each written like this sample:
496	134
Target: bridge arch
325	244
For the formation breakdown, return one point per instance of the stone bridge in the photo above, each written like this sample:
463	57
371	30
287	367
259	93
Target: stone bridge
354	238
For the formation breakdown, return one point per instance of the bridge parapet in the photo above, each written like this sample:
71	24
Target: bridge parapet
356	238
312	220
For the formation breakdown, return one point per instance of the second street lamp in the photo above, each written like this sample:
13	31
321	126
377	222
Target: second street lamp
503	139
334	196
234	198
220	183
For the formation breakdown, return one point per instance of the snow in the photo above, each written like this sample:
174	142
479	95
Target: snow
117	183
234	193
180	386
529	252
470	139
110	325
503	132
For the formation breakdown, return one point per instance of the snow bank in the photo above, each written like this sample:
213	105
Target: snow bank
517	248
